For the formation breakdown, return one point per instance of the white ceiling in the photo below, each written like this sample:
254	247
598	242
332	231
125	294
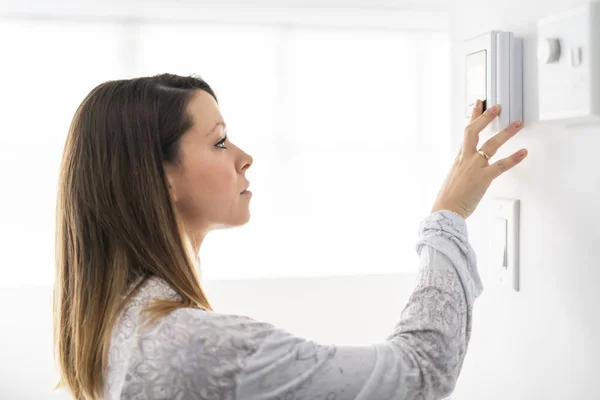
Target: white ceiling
429	5
69	6
407	15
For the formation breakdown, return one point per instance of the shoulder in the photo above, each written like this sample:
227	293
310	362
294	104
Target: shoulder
202	332
189	353
194	353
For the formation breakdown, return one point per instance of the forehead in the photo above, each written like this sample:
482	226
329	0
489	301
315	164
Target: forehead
205	112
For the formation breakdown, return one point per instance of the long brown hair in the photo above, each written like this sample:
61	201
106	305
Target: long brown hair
115	223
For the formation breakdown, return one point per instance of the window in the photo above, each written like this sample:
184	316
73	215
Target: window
48	68
357	150
348	126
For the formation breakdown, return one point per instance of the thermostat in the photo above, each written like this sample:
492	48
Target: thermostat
494	74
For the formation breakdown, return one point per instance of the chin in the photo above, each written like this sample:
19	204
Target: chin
243	220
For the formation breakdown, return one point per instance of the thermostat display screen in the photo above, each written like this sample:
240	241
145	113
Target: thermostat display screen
476	70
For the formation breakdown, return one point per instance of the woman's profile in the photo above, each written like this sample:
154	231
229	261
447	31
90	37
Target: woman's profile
147	172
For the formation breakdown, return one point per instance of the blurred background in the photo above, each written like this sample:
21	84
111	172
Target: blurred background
353	113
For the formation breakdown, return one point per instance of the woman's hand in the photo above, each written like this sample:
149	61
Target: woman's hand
471	175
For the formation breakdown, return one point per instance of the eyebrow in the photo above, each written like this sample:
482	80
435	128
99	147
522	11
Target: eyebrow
218	123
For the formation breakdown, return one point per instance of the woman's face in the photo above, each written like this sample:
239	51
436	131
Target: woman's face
208	181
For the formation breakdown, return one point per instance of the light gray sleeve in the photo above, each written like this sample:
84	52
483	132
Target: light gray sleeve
249	360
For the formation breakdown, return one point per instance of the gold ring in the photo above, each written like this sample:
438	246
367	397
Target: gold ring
483	154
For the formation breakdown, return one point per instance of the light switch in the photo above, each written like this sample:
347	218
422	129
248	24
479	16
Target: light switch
500	239
505	242
569	80
575	56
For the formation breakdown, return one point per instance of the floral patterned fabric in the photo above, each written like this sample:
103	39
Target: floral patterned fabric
194	354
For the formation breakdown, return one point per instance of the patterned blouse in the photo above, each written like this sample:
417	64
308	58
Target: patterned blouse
196	354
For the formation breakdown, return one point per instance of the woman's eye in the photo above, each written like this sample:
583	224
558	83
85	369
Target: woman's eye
222	142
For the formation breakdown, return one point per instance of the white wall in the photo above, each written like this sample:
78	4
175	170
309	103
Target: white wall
540	343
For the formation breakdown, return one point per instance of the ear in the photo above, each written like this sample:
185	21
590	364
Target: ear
173	194
171	184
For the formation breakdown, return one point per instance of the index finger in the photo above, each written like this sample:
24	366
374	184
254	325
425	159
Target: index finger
476	112
477	125
484	119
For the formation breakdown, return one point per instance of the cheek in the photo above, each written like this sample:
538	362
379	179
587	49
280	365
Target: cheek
211	181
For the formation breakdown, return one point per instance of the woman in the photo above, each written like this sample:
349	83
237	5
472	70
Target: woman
147	172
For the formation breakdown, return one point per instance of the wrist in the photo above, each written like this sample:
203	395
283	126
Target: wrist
447	207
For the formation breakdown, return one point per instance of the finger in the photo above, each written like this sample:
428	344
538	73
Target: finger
476	110
500	167
475	113
473	129
494	143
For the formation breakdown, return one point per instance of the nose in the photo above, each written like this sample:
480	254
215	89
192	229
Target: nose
248	160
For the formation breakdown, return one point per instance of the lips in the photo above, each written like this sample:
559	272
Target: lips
245	190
